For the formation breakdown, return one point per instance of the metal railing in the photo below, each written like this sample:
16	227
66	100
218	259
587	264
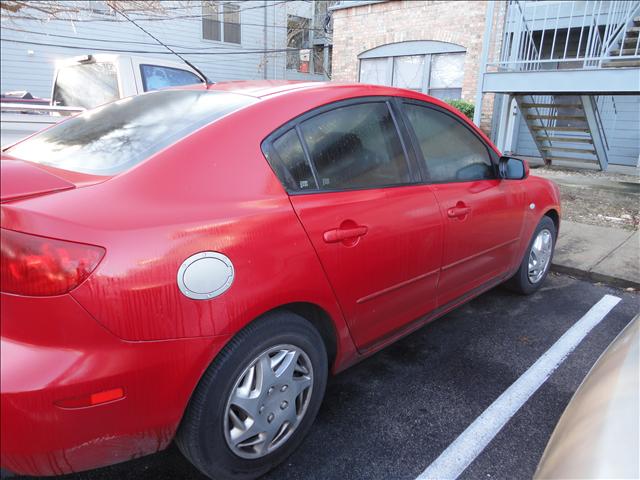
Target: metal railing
38	109
543	35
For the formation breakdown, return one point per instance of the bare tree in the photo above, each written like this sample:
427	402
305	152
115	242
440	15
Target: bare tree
71	10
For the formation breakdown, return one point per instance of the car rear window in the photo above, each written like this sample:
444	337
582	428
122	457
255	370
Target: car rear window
115	137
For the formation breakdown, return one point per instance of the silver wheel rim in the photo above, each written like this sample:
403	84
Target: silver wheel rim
268	401
540	255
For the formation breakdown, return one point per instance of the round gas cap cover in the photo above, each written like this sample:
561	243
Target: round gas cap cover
205	275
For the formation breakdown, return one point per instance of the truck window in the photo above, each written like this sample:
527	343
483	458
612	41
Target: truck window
86	85
155	77
113	138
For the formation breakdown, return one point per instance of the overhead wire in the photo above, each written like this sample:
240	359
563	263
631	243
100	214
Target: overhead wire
76	47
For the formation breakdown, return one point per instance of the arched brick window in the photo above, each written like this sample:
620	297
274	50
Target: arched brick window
428	66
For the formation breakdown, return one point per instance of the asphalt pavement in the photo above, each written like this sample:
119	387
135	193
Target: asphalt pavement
393	414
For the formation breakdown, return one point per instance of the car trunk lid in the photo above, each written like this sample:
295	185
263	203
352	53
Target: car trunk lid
20	179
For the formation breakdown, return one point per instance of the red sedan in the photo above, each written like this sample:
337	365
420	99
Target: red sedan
191	264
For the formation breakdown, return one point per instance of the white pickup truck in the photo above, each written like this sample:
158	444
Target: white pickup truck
88	81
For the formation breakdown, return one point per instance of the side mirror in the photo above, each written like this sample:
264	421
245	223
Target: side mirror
511	168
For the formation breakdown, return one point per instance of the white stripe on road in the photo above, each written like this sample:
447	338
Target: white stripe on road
459	455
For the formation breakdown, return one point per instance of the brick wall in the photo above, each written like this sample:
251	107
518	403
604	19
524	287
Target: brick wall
361	28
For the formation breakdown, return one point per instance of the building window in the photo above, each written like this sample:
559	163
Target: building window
297	43
221	22
437	74
447	71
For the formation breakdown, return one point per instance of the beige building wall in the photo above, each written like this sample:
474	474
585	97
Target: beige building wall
361	28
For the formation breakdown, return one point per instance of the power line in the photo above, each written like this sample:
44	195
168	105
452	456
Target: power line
75	47
114	20
187	62
107	40
161	18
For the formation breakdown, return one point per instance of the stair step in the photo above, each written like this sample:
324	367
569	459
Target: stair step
630	41
625	51
633	29
636	19
561	129
570	150
572	159
550	105
565	139
559	117
621	63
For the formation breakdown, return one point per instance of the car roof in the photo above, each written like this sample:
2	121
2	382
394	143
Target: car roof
265	88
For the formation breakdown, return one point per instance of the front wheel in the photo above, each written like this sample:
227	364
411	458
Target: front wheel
257	400
537	259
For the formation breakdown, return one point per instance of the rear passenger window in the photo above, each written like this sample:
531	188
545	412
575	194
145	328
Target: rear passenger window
451	151
291	165
356	146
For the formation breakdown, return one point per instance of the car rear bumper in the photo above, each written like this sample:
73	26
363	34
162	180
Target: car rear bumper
53	353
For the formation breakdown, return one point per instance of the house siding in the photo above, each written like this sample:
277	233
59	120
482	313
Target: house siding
31	67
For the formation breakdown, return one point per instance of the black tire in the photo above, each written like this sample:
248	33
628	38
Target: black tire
201	436
520	282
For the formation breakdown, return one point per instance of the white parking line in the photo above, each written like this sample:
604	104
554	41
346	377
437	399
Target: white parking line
459	455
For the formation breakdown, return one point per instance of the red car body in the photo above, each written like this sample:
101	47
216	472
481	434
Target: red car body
103	374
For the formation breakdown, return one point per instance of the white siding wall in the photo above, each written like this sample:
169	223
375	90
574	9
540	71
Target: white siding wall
31	67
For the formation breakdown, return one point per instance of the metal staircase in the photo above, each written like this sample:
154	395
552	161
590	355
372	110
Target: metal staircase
567	128
626	48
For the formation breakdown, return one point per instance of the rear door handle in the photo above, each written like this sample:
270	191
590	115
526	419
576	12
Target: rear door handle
342	234
458	211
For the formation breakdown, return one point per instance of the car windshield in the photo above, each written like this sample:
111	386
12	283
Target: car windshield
115	137
86	85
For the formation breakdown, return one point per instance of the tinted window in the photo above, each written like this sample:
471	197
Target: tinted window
451	151
86	85
290	163
117	136
356	147
155	77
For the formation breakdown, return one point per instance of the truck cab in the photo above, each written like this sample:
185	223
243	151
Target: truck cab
87	81
92	80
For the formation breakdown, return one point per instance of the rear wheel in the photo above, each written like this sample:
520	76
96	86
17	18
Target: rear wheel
537	259
257	400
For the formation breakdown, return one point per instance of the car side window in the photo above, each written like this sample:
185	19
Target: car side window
290	163
356	146
452	153
155	77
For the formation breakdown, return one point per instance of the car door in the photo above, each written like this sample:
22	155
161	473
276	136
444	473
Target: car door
482	215
376	230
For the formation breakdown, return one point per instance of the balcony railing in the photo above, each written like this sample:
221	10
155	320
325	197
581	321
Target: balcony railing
558	35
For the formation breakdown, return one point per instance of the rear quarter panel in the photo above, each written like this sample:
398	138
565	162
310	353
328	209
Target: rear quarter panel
212	191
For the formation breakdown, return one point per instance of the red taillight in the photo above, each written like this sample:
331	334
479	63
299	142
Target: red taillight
39	266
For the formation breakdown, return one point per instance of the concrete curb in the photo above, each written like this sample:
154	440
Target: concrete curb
594	276
598	254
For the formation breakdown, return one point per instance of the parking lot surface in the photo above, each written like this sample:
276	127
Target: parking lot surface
392	415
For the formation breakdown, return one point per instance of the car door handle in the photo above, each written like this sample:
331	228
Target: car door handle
342	233
458	211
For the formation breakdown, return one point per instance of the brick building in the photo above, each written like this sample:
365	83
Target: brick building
431	46
558	80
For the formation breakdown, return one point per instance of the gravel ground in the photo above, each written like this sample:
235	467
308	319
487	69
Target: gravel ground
597	198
